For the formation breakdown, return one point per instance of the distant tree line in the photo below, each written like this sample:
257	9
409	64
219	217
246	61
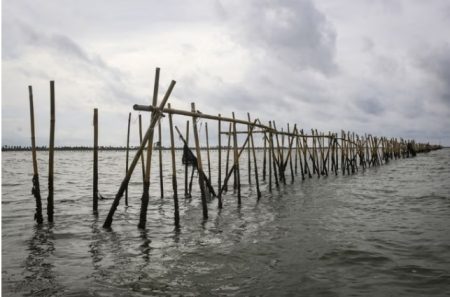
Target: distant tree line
6	148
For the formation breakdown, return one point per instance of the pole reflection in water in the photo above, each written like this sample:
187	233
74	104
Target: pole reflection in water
40	278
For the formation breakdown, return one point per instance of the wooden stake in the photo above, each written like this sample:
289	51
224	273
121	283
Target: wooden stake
186	191
126	159
142	155
264	157
51	153
219	179
36	191
174	173
248	155
199	164
236	162
228	156
258	192
161	181
95	188
148	137
207	151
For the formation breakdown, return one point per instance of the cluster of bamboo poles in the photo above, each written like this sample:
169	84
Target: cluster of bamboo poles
36	191
285	153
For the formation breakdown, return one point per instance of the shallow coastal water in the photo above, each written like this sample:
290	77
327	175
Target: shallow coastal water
384	231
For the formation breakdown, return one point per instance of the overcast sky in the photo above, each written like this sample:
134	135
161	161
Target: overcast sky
379	67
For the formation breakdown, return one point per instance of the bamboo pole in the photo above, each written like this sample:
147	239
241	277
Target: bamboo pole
148	137
199	164
249	171
233	168
51	153
36	191
274	160
264	157
154	119
228	156
95	188
290	141
126	158
142	155
236	162
161	177
186	191
270	159
258	192
207	151
174	173
219	179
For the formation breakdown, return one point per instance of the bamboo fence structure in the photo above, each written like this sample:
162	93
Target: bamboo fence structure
287	152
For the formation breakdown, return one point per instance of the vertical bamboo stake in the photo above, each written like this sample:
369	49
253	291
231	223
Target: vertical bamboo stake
219	180
36	188
148	137
248	155
174	173
258	192
186	192
207	152
145	195
126	159
296	155
270	158
290	154
142	155
161	182
199	164
264	157
228	157
51	153
236	162
95	188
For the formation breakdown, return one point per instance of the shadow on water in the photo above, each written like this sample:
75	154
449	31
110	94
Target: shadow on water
40	277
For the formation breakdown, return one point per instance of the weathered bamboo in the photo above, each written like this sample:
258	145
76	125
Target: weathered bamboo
264	157
127	156
258	192
199	163
270	159
161	177
299	152
249	171
51	153
95	187
174	174
305	159
207	151
290	141
236	162
154	119
147	136
219	179
36	191
186	190
233	168
278	159
225	186
142	155
274	159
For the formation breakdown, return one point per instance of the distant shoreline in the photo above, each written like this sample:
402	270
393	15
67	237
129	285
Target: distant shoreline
112	148
100	148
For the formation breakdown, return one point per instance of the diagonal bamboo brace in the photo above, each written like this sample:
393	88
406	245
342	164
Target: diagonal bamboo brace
127	178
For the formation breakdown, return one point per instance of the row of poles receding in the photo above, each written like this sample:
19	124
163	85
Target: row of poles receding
285	152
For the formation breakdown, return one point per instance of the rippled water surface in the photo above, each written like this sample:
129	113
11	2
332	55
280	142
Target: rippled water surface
382	232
